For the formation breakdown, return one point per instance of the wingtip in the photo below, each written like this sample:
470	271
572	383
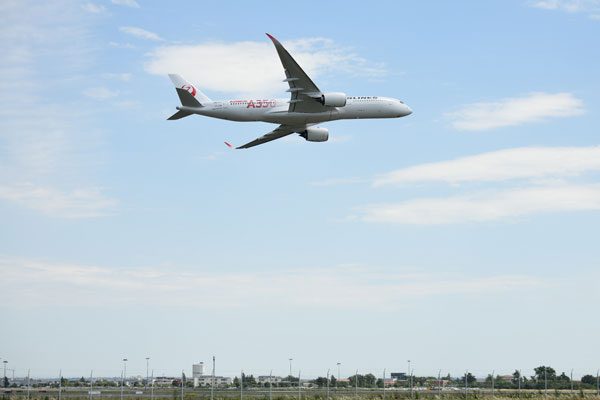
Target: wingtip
228	145
271	37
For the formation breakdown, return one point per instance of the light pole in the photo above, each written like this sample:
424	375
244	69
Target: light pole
59	384
28	384
356	384
123	376
493	372
91	384
383	383
598	382
152	387
338	377
409	379
182	375
466	382
545	383
519	390
212	381
440	383
4	381
299	387
242	385
290	376
571	381
147	365
270	385
327	398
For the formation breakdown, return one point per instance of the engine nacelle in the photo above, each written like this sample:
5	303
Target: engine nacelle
316	134
333	99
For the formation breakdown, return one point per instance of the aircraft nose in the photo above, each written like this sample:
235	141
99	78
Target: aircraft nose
403	110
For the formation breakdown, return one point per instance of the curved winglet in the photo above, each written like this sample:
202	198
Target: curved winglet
301	87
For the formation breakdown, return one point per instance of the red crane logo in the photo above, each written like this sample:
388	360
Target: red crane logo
190	89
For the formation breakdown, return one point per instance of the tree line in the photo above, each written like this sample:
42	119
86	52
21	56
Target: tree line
543	377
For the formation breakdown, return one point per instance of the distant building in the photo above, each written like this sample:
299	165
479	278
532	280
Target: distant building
206	380
389	382
164	380
197	372
265	379
399	376
435	383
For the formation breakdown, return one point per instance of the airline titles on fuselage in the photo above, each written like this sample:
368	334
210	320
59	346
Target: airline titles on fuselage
254	103
273	103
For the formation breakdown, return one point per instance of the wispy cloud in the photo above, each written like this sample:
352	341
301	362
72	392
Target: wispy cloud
590	7
140	33
126	3
42	167
224	66
339	181
493	205
93	8
121	45
515	111
77	203
100	93
501	165
123	76
34	283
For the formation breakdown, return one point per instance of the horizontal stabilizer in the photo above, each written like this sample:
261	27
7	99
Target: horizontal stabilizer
179	115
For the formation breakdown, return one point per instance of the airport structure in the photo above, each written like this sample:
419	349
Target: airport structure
197	372
200	379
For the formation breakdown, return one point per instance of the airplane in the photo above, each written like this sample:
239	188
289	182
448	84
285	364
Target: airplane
307	106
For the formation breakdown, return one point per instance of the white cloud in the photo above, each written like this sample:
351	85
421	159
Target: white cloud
339	181
485	206
121	45
515	111
93	8
140	33
126	3
34	283
502	165
45	158
123	76
253	68
77	203
570	6
100	93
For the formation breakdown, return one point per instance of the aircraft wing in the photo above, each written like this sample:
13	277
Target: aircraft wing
278	133
303	90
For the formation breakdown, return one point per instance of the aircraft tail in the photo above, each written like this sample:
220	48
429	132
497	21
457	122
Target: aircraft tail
181	85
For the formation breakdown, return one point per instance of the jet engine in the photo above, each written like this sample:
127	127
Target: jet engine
316	134
333	99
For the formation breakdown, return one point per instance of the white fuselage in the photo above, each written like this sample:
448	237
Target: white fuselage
276	110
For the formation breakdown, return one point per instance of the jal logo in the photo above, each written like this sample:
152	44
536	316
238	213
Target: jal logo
190	89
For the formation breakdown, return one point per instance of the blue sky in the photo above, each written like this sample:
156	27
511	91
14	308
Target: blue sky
461	237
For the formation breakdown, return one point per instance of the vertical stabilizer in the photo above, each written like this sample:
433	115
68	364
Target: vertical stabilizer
181	83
